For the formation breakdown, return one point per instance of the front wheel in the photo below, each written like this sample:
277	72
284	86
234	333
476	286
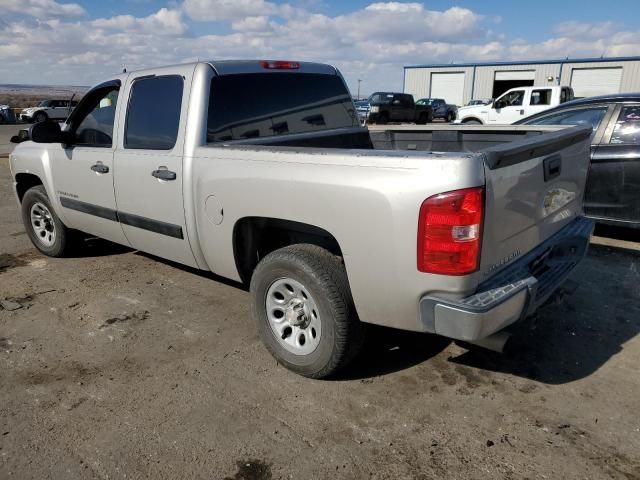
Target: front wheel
304	311
472	121
45	230
451	117
423	119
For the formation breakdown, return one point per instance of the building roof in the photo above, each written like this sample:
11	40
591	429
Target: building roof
523	62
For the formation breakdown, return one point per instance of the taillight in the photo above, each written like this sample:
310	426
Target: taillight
279	65
449	232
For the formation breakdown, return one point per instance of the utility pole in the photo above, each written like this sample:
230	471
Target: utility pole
359	81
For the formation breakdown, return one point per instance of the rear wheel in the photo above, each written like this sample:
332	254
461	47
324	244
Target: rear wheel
383	119
304	310
472	121
45	230
423	119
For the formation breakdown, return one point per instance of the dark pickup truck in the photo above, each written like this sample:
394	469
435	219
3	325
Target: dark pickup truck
441	109
397	107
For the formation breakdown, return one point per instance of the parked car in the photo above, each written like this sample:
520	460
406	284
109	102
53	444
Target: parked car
6	114
515	104
48	110
479	101
613	188
441	109
218	167
362	109
397	107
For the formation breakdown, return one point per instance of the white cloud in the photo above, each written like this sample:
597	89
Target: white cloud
42	8
163	22
220	10
372	43
87	58
252	24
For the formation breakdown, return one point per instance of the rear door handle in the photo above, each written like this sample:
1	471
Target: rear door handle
162	173
99	167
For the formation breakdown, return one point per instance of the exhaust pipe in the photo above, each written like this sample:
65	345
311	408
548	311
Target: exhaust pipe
495	342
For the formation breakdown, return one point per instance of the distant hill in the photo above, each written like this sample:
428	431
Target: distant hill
20	96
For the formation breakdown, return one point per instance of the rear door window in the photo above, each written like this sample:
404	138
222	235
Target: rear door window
541	97
627	128
260	105
153	113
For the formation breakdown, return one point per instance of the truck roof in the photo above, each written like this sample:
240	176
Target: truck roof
231	67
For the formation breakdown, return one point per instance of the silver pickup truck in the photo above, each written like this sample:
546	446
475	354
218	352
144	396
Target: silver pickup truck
260	172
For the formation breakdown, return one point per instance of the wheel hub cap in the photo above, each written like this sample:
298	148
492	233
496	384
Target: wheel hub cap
293	316
295	312
43	224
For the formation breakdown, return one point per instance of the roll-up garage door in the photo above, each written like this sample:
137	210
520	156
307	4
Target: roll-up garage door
588	82
449	86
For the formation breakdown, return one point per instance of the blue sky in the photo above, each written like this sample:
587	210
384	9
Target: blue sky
85	41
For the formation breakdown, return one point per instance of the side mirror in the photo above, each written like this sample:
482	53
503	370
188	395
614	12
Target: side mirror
48	132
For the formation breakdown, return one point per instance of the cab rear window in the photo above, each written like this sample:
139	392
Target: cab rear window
260	105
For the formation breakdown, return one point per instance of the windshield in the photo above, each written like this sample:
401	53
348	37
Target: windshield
381	98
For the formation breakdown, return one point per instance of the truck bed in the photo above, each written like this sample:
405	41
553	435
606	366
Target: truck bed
533	179
445	138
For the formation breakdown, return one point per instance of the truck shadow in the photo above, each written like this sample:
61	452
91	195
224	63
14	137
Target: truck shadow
564	343
98	247
573	339
388	350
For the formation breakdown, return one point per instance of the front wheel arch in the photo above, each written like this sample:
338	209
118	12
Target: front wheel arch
25	181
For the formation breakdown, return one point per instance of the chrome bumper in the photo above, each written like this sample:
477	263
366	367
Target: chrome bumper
513	293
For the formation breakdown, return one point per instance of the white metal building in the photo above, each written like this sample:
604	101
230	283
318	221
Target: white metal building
459	83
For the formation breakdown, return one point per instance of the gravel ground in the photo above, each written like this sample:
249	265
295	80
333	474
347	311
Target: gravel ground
116	364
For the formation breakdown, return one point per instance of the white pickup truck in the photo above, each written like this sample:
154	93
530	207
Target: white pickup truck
260	172
515	104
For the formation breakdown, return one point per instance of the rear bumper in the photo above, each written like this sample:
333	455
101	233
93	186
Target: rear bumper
512	294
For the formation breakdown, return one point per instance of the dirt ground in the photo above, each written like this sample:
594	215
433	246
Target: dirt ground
118	365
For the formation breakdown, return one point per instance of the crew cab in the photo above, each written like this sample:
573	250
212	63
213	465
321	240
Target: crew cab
441	109
515	104
48	110
388	107
260	172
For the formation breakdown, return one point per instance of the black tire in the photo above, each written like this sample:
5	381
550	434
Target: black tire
383	119
423	119
451	117
40	117
324	276
472	121
64	237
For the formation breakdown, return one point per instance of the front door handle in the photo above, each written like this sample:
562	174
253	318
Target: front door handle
99	167
163	173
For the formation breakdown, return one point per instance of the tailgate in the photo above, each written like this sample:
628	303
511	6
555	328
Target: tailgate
534	187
